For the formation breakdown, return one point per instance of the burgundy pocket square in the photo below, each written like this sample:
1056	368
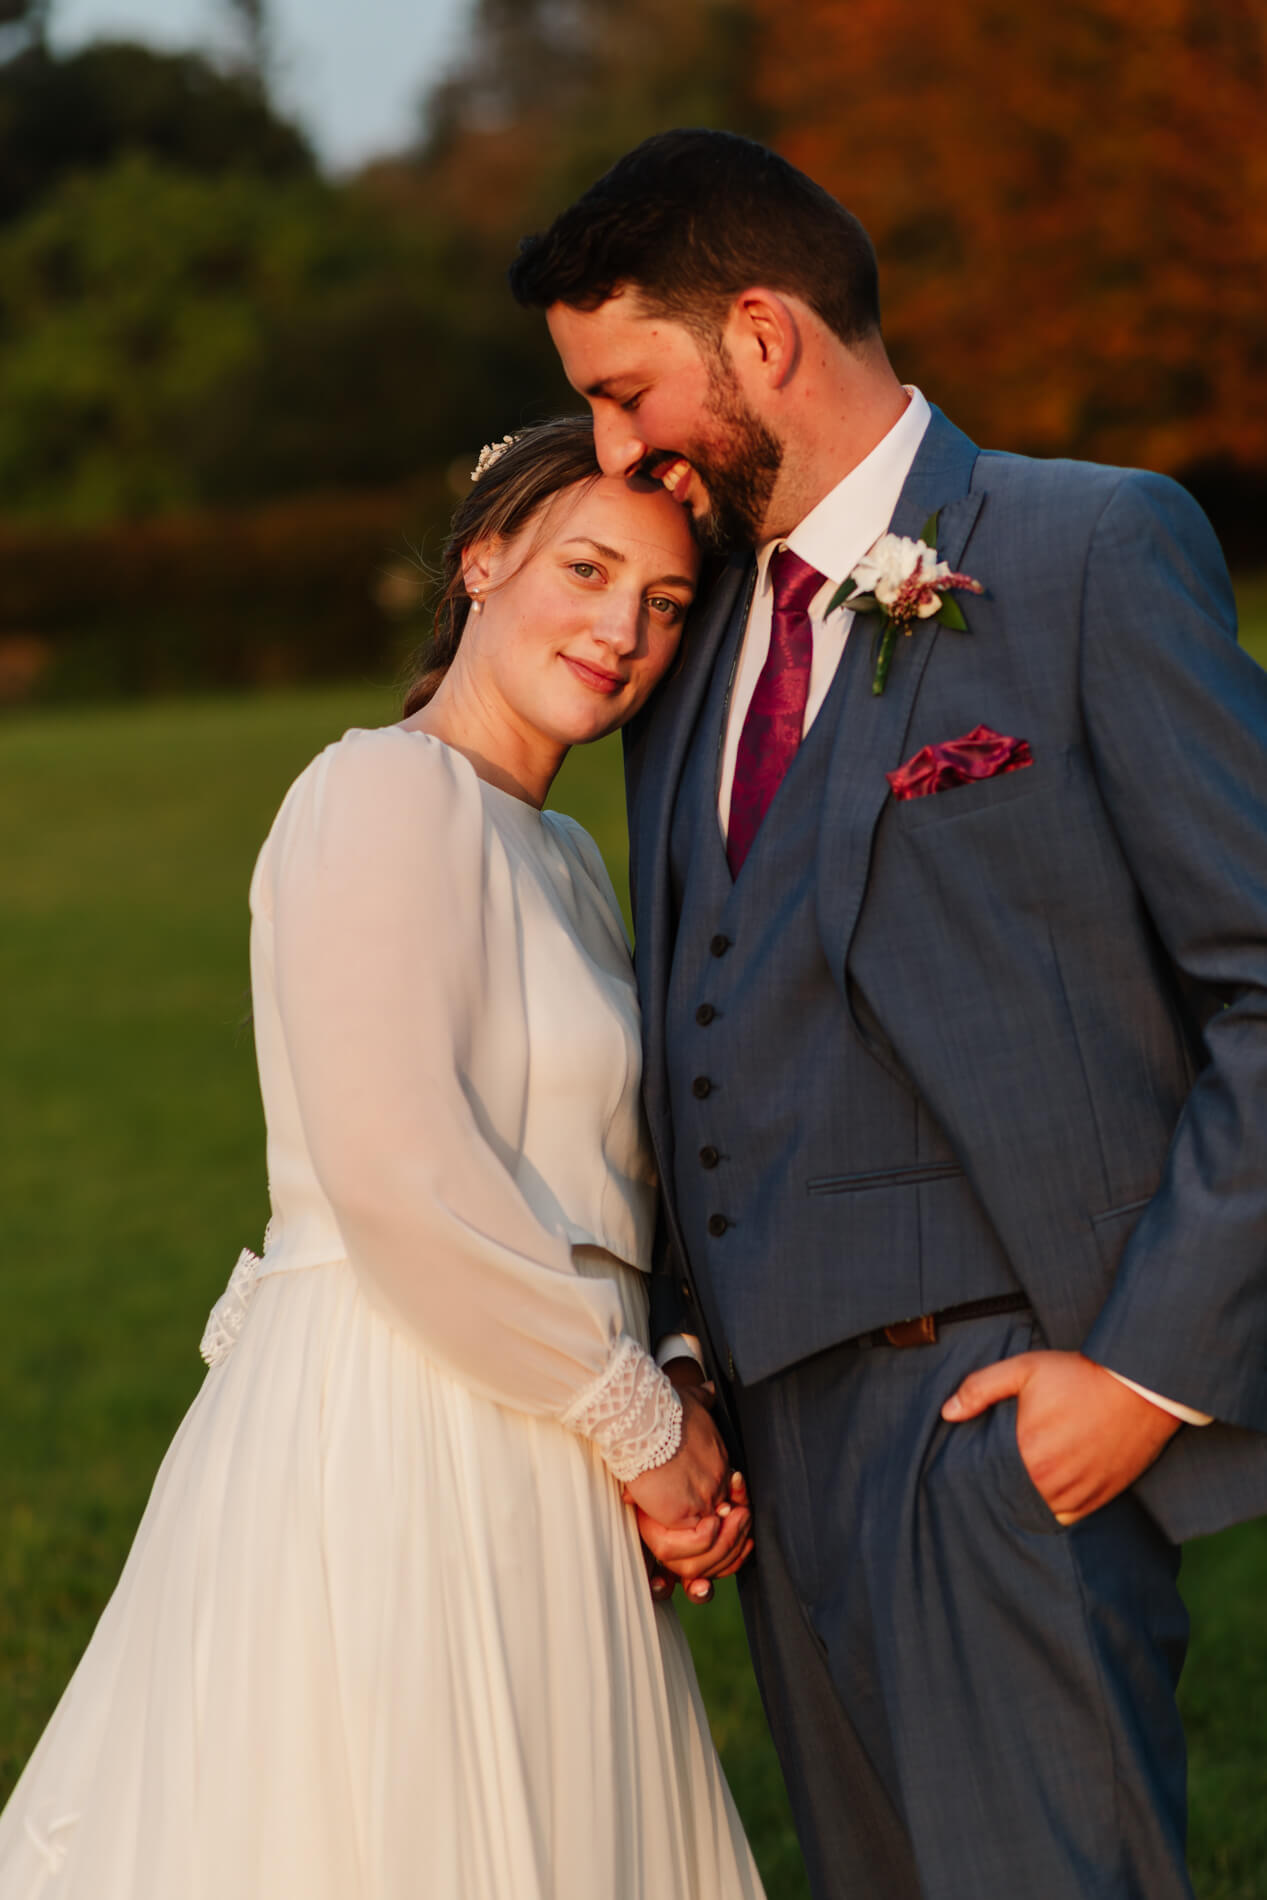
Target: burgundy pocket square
980	754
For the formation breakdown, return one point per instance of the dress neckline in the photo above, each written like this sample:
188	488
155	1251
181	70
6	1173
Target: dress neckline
485	785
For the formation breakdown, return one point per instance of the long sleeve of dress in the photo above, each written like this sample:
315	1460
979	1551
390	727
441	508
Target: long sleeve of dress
392	963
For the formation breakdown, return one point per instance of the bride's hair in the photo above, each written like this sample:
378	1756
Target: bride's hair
513	487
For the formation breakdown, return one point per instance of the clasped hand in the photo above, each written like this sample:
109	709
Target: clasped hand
1084	1436
693	1512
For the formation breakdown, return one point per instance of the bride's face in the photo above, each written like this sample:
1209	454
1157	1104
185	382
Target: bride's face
581	612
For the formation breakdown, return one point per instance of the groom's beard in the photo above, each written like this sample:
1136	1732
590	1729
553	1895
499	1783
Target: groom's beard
739	471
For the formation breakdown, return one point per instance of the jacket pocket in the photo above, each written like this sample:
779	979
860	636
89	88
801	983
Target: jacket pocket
881	1178
981	795
1112	1230
1120	1213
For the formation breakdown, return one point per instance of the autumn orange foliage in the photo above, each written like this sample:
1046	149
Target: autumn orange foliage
1069	204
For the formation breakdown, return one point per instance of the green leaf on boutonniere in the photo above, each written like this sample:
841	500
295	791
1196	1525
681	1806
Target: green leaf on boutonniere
884	654
951	615
928	533
840	596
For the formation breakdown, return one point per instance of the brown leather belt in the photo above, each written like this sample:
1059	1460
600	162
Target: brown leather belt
924	1329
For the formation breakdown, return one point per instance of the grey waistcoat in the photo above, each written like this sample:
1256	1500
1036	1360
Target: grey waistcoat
816	1195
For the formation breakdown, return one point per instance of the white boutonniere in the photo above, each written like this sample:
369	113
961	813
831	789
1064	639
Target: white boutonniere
903	581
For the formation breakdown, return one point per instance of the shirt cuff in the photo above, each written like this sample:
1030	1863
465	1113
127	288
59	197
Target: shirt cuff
1184	1412
678	1346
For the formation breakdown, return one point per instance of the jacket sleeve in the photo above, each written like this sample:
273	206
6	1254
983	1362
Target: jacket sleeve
1176	719
672	1312
382	934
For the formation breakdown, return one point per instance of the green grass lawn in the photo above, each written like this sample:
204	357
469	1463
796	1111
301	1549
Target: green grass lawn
131	1172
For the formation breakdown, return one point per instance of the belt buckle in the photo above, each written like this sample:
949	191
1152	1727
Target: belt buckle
921	1331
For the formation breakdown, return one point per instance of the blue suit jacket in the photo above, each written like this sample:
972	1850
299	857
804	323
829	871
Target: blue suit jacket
1069	962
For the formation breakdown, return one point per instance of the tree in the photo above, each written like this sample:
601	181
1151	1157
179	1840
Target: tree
169	340
549	93
1070	206
552	91
255	31
25	20
81	112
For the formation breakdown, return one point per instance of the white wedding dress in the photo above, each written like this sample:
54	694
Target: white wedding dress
385	1631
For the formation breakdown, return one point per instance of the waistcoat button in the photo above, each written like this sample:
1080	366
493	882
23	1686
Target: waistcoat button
704	1015
701	1087
717	1224
708	1157
719	945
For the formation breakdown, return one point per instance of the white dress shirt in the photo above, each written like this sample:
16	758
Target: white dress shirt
833	537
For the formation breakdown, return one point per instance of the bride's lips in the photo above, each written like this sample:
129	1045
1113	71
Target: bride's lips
594	677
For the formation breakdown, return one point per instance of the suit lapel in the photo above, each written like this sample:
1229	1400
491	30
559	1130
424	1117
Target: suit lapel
867	744
673	722
940	480
871	733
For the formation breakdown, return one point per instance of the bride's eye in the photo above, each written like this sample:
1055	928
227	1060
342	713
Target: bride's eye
586	570
666	605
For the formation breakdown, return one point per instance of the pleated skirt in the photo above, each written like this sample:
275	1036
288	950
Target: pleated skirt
377	1639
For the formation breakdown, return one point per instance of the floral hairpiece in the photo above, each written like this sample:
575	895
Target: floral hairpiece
490	453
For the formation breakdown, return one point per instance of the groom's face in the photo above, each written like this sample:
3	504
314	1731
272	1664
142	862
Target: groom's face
670	405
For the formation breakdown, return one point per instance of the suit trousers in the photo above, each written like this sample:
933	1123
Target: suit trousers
968	1700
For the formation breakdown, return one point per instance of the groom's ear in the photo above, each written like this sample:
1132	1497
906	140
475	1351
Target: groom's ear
763	334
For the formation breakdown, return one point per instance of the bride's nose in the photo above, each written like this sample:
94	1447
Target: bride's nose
619	624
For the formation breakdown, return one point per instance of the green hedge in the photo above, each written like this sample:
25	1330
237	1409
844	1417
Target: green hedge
324	587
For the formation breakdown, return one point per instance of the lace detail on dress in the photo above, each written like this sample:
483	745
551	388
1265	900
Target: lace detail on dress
631	1412
228	1316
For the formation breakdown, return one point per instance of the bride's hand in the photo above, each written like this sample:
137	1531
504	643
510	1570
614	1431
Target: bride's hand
714	1542
717	1547
685	1492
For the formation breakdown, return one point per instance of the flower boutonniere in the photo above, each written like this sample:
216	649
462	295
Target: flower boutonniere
903	581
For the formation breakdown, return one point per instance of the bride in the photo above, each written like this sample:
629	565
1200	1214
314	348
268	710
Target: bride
385	1631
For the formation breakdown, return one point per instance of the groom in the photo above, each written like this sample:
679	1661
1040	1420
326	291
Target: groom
956	1045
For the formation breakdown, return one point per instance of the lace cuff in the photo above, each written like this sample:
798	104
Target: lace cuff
228	1315
631	1412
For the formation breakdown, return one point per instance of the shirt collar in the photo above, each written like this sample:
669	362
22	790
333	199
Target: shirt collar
839	529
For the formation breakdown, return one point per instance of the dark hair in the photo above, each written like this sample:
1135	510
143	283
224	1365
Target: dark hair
691	218
538	463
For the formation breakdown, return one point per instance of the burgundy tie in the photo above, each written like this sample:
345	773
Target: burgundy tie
772	728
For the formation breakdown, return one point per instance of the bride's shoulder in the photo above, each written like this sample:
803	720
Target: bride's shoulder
398	767
378	808
394	753
377	789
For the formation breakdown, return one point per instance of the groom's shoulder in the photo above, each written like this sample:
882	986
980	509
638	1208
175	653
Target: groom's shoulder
1060	482
1066	504
1054	478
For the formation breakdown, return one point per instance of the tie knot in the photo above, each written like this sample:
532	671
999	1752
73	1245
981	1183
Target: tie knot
794	581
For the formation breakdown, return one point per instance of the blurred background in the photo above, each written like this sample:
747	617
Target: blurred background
252	259
253	330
